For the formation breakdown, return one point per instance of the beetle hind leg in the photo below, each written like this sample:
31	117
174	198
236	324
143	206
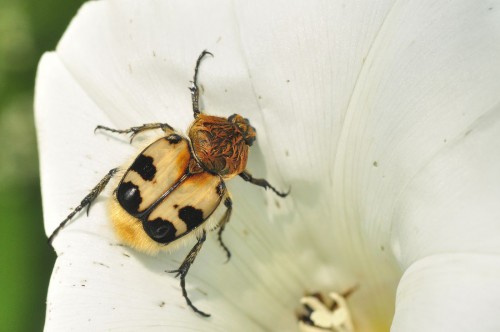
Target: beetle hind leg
137	130
184	268
85	202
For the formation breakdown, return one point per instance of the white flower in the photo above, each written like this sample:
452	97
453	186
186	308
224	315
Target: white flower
382	116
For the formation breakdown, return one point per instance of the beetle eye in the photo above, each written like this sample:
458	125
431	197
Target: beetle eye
249	140
250	136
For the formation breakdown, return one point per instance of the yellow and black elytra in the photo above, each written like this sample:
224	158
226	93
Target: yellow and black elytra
166	196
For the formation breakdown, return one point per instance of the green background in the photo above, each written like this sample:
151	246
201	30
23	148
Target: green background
27	29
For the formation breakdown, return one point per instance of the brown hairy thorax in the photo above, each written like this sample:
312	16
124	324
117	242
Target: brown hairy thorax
220	144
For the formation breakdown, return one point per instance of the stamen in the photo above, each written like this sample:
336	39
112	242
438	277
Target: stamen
321	312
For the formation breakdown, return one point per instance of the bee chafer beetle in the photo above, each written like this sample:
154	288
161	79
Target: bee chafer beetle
173	186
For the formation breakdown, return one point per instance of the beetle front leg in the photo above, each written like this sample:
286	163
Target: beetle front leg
184	268
261	183
139	129
195	93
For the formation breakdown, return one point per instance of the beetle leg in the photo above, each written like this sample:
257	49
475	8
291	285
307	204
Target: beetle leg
139	129
85	202
195	93
228	203
184	268
261	183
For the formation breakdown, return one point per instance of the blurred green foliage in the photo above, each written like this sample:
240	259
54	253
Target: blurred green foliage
27	29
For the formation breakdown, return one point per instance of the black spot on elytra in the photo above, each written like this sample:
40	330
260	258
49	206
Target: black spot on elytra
191	216
129	197
176	206
173	138
160	230
143	165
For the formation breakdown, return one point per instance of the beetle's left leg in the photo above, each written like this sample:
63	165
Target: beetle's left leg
85	203
184	268
139	129
195	93
228	203
261	183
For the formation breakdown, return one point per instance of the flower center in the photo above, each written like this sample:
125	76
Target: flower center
325	312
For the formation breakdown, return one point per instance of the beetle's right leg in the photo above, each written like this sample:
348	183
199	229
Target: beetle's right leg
228	203
184	268
139	129
85	202
245	175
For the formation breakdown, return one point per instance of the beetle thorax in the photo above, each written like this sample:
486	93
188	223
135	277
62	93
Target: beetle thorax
220	144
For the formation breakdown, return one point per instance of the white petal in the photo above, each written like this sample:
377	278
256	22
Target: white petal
66	118
450	292
431	76
426	74
305	61
136	61
370	90
451	205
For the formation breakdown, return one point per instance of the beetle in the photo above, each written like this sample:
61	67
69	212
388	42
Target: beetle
167	194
